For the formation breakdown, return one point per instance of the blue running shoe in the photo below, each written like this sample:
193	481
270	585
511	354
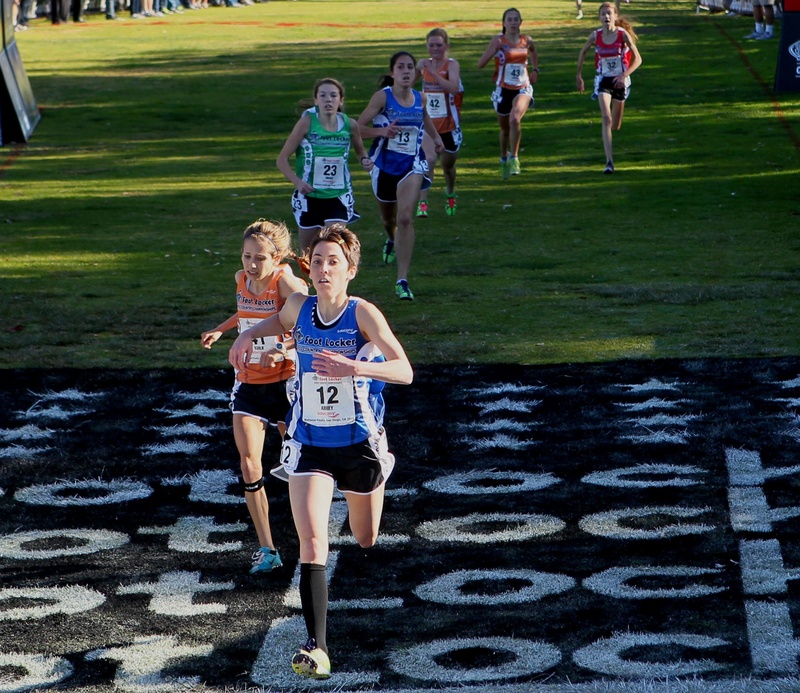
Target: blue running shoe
265	560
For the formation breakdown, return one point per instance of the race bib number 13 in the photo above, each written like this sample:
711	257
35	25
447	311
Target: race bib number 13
328	401
405	141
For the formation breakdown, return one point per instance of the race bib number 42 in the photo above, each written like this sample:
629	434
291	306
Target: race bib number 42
436	104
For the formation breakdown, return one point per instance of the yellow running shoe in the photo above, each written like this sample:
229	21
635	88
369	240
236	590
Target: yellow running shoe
312	662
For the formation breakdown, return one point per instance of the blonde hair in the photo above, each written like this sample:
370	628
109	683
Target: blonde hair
441	33
276	233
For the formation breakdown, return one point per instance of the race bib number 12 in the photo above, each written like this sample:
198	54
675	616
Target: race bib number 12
328	401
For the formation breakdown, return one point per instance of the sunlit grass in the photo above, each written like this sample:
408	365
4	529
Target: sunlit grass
157	147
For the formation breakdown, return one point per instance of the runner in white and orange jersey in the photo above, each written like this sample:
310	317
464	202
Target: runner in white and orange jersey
513	92
616	58
259	396
441	84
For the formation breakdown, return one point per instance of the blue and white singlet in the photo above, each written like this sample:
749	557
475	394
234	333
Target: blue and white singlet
398	155
326	411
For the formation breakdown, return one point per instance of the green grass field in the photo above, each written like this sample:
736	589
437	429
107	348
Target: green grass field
122	215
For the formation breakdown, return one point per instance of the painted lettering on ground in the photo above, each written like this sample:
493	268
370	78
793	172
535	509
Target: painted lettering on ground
551	528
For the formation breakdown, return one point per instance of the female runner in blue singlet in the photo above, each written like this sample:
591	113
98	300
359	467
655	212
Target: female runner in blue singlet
335	436
399	119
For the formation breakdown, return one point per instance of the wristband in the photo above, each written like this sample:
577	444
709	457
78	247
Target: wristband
365	157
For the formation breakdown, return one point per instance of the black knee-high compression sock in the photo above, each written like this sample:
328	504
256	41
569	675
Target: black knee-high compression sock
314	600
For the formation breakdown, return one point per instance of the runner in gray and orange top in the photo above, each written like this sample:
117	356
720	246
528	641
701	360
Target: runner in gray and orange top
441	84
259	397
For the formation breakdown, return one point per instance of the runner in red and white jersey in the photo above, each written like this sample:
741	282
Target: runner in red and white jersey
513	92
616	58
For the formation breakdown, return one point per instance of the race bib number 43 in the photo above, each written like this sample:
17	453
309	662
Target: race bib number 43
328	401
515	75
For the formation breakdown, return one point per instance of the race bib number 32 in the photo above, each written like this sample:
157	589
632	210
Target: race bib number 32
610	67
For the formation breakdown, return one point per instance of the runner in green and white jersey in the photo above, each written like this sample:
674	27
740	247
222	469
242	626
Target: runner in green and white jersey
321	142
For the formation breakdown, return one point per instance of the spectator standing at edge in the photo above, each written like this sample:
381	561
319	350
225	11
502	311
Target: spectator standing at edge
764	16
77	11
59	11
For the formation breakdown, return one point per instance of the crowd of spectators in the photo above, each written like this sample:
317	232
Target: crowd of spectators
62	11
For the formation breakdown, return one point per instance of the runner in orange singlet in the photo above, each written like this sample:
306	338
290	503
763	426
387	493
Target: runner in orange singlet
259	400
441	83
513	92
